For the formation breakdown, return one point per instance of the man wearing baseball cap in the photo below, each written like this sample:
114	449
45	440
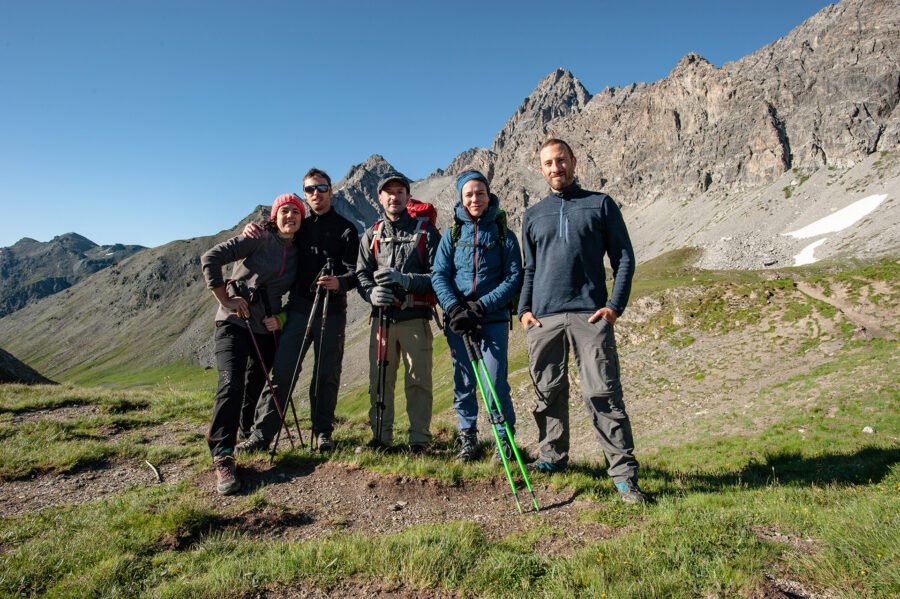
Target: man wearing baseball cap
394	272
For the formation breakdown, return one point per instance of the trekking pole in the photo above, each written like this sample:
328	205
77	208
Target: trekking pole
259	356
382	338
509	435
470	350
278	408
298	367
314	397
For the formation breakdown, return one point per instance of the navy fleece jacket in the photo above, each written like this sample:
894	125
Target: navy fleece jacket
564	237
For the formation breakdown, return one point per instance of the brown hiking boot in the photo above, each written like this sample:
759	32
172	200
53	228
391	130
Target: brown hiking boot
226	475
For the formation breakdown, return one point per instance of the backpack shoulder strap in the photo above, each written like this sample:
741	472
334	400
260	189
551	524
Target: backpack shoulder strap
456	230
377	233
422	234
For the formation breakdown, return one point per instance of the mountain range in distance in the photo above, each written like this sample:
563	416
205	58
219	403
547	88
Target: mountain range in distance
747	162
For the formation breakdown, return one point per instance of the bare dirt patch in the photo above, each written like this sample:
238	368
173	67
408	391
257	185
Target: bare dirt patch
794	542
59	414
778	587
54	490
341	497
868	326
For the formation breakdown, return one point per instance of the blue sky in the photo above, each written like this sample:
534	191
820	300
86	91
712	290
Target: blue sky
145	121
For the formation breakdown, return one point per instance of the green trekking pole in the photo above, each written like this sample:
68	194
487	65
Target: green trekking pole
512	442
471	351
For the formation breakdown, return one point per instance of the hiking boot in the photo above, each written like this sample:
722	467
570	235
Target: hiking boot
507	450
226	476
546	467
324	442
373	445
629	492
418	449
468	446
252	443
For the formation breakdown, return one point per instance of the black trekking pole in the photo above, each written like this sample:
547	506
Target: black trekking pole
259	356
473	349
304	347
282	410
382	361
314	396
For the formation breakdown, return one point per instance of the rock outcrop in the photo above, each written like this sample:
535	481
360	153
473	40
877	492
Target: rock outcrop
356	195
824	95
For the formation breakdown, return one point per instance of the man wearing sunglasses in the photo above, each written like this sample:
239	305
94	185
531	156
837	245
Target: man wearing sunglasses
326	234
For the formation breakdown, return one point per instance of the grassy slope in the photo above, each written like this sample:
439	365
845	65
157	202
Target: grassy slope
806	496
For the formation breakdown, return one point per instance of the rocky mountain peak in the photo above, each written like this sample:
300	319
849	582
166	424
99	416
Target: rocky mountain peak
690	61
73	242
480	159
559	94
356	195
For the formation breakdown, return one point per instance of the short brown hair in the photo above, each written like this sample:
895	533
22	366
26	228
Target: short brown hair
554	141
317	172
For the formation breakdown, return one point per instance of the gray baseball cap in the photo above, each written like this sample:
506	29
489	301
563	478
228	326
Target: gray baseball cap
393	176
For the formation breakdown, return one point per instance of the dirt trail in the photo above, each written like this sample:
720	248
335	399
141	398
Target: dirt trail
869	326
311	501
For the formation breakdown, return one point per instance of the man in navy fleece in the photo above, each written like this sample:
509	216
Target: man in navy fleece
564	307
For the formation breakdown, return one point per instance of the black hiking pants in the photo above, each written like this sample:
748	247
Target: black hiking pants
241	379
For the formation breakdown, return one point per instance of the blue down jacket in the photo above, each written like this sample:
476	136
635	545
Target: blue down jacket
472	270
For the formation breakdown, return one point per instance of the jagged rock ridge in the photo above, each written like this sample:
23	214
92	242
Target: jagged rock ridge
824	95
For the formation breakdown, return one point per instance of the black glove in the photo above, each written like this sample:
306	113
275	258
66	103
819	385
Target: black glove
476	307
460	320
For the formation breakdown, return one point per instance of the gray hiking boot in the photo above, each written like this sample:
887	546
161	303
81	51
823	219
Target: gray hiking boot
226	475
629	492
252	443
325	443
468	446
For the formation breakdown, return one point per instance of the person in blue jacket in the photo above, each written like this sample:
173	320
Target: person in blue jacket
476	276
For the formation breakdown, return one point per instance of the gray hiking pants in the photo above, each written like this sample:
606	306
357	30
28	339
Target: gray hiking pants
594	349
328	350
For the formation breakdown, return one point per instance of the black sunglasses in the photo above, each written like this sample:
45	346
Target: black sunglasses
321	188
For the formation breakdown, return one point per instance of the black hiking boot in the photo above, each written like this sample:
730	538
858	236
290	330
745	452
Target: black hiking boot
418	449
468	446
227	481
252	443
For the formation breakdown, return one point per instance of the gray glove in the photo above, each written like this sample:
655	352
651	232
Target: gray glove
381	297
391	276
